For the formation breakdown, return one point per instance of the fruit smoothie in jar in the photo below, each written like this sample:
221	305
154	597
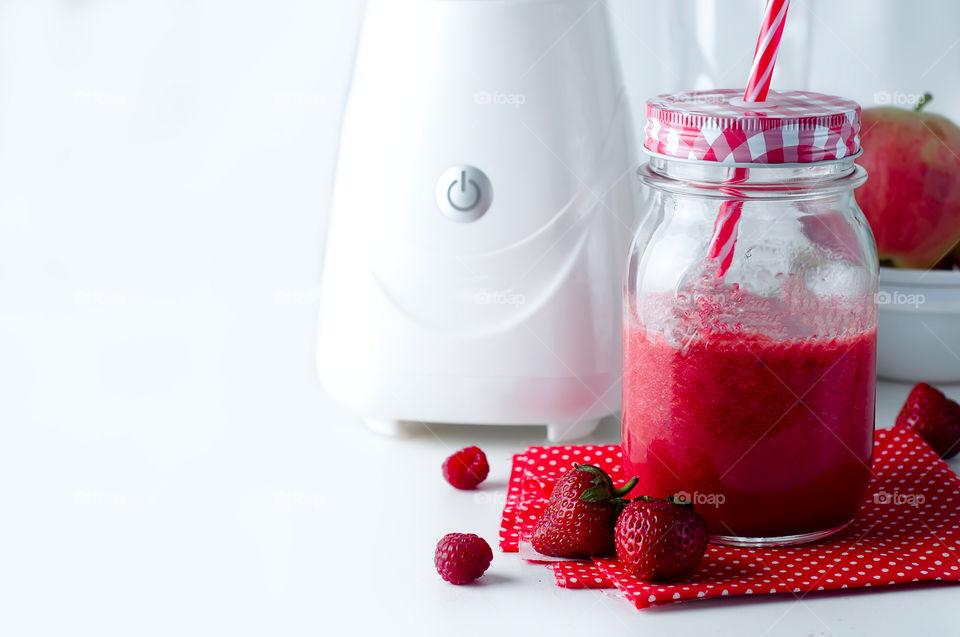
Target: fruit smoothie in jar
750	318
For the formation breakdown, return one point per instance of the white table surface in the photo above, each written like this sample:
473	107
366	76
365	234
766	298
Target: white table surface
195	480
515	597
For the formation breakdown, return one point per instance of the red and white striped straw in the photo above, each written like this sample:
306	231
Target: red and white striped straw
728	220
765	57
725	228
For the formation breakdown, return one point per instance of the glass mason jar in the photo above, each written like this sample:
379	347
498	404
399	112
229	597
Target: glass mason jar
750	317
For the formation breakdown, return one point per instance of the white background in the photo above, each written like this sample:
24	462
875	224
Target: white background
168	463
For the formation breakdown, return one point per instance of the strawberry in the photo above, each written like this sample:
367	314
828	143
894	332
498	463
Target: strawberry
660	540
580	515
935	417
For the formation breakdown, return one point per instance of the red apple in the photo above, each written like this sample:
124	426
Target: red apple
912	194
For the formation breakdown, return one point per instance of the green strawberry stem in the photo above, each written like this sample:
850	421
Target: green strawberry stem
625	489
922	102
672	499
602	486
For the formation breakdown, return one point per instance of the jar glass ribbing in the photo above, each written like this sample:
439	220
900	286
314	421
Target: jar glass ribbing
752	393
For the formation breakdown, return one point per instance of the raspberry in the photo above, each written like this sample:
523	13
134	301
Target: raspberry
462	557
467	468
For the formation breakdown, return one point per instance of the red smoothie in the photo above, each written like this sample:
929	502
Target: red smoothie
770	437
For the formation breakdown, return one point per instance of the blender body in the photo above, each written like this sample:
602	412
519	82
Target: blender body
480	218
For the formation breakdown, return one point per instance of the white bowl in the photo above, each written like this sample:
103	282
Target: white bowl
919	334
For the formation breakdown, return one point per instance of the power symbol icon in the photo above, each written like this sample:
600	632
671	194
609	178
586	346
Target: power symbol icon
461	199
463	193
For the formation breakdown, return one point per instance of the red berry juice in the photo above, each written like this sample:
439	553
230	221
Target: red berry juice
770	437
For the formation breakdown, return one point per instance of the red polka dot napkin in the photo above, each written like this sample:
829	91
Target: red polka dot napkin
908	530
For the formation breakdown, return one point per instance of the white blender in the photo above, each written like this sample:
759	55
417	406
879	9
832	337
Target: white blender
480	218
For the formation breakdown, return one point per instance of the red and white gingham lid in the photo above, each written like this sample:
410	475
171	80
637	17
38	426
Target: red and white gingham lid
718	126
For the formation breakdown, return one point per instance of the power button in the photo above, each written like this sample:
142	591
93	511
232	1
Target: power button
464	193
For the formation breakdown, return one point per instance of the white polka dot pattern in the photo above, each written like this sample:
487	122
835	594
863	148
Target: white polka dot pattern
579	575
509	525
908	530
